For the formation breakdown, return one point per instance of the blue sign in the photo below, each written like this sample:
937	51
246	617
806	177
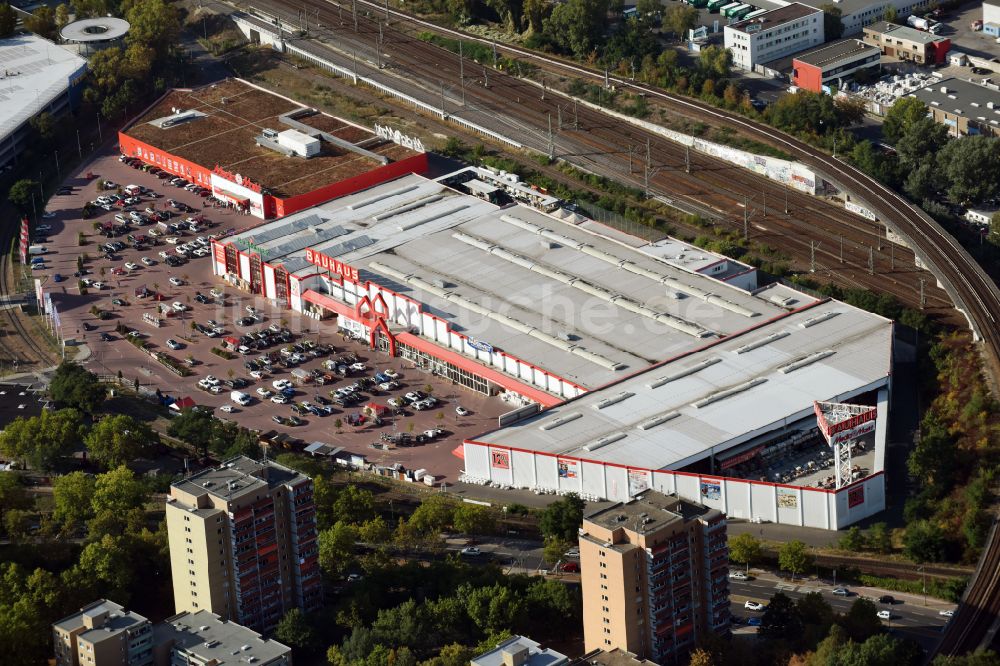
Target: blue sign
480	345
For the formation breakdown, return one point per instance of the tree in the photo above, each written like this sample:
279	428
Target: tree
922	181
816	617
194	426
353	505
555	549
745	549
118	504
8	20
375	531
890	14
781	619
921	140
453	654
89	8
492	608
714	61
17	523
12	493
833	27
562	518
42	22
62	15
107	564
679	18
925	541
901	115
42	440
963	163
28	602
22	193
473	519
575	26
336	548
73	496
433	515
552	603
74	386
879	539
154	24
701	657
118	439
794	557
296	631
852	540
536	11
861	621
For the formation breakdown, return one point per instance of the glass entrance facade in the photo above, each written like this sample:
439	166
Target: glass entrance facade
441	368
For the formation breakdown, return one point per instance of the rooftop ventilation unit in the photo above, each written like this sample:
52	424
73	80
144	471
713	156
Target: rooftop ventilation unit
270	134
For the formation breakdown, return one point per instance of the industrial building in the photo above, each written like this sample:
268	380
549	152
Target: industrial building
546	309
834	64
262	152
654	576
774	34
500	297
909	44
242	542
966	108
991	17
856	14
36	76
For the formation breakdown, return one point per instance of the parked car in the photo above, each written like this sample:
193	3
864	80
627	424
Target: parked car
738	575
841	592
471	551
754	606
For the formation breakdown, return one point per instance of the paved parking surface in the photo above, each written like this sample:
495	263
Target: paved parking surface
117	355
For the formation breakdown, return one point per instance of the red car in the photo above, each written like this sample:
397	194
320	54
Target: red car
570	567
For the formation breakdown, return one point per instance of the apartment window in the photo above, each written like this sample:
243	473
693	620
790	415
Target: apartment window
604	597
603	586
194	603
603	553
607	642
191	571
194	584
190	561
605	608
604	576
187	529
606	630
189	550
604	565
187	519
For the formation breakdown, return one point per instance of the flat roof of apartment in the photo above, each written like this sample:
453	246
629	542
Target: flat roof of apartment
903	32
215	640
776	17
649	512
237	477
834	52
963	98
117	619
684	410
536	654
34	72
521	280
235	113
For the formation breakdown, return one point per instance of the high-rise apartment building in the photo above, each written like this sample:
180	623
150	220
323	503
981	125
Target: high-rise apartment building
103	634
655	576
243	542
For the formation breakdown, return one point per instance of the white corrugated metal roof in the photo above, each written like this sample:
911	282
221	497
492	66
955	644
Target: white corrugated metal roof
674	414
33	72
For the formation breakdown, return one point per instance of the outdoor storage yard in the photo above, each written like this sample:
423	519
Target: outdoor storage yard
231	114
116	355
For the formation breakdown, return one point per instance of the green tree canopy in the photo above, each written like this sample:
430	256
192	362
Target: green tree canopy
562	519
74	386
744	549
194	426
354	505
295	630
679	18
833	26
118	439
42	440
336	548
781	619
118	503
793	556
714	61
920	140
42	22
12	493
903	113
861	621
73	496
473	519
8	20
965	161
22	192
925	541
154	24
576	26
433	515
28	603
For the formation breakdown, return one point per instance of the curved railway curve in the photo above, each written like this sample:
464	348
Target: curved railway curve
965	282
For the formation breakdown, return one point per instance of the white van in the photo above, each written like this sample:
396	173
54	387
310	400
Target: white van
240	398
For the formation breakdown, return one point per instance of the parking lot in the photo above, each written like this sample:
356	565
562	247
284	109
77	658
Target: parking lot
186	297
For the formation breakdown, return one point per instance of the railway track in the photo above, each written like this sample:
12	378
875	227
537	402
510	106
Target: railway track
35	356
510	99
838	245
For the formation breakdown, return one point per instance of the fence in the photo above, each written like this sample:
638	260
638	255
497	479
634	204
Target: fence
617	221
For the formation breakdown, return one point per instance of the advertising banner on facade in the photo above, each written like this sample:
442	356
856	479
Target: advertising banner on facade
787	499
568	469
842	422
855	496
711	490
638	481
500	458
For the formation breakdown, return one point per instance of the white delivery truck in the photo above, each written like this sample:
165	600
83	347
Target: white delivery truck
240	398
37	249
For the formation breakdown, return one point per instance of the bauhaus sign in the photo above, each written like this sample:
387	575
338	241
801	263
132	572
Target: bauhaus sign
331	264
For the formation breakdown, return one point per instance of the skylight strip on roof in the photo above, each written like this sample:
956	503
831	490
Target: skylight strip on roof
604	441
818	319
756	344
728	393
648	424
680	374
562	420
613	400
805	360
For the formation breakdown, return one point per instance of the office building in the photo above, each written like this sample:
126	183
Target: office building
966	108
909	44
103	634
856	14
243	542
834	64
36	76
655	576
205	639
774	34
520	651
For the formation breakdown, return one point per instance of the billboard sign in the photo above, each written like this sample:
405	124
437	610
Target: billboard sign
842	423
855	496
332	265
711	490
638	481
500	458
568	469
480	345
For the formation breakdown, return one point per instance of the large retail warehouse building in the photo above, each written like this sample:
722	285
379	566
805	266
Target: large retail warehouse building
662	366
